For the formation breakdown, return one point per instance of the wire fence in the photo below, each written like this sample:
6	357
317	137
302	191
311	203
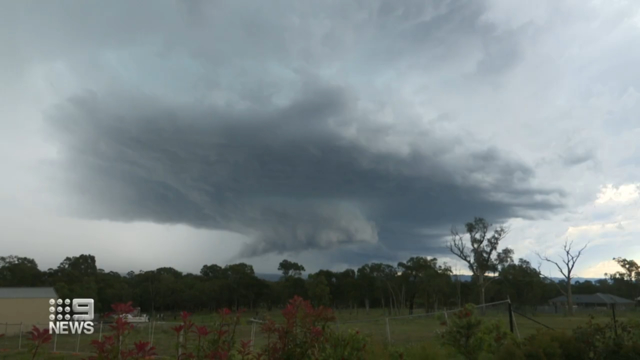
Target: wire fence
159	334
403	330
420	327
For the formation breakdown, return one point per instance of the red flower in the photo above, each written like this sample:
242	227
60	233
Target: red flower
121	326
185	316
221	333
202	331
178	328
125	354
218	355
245	348
316	332
144	349
224	312
39	336
121	309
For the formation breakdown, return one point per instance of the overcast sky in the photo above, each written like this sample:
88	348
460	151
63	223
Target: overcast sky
333	133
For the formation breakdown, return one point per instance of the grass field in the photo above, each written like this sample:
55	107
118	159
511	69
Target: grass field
406	332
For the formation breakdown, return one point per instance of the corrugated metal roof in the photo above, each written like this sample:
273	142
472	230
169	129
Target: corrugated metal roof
27	292
597	298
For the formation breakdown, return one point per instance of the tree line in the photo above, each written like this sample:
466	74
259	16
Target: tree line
417	284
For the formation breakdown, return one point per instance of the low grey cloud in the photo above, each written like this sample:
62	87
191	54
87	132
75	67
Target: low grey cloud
286	176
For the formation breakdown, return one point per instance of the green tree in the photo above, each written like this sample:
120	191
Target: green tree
76	277
628	278
522	283
290	268
318	290
481	255
367	285
20	271
241	278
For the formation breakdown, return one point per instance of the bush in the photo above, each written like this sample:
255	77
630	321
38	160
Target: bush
510	351
553	345
592	341
306	334
470	337
609	340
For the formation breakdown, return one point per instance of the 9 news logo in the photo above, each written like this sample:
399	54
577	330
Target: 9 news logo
61	320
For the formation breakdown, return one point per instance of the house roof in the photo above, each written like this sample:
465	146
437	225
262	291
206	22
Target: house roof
597	298
27	292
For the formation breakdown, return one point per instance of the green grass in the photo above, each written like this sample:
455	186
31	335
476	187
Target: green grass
415	335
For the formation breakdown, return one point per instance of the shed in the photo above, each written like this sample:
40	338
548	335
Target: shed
593	300
24	307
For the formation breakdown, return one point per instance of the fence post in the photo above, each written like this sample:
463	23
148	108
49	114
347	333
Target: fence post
20	338
100	336
515	323
388	332
615	324
78	344
153	328
510	318
253	333
55	341
446	317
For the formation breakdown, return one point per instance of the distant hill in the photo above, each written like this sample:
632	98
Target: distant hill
269	277
573	281
276	277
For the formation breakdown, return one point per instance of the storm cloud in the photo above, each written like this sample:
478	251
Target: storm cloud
315	173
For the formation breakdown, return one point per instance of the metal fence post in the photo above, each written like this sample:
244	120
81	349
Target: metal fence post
253	334
20	338
153	329
446	317
615	323
100	335
510	318
55	341
388	332
78	344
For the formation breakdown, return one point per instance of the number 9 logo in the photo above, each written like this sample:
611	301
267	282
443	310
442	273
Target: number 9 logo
83	309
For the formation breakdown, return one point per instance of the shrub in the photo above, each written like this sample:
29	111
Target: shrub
609	340
470	337
461	333
306	334
37	338
550	345
112	347
510	351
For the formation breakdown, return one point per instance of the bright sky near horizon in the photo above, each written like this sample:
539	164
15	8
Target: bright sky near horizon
182	133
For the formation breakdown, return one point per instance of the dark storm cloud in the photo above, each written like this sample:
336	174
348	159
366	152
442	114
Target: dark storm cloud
288	176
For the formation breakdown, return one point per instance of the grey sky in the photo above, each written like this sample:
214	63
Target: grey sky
179	133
